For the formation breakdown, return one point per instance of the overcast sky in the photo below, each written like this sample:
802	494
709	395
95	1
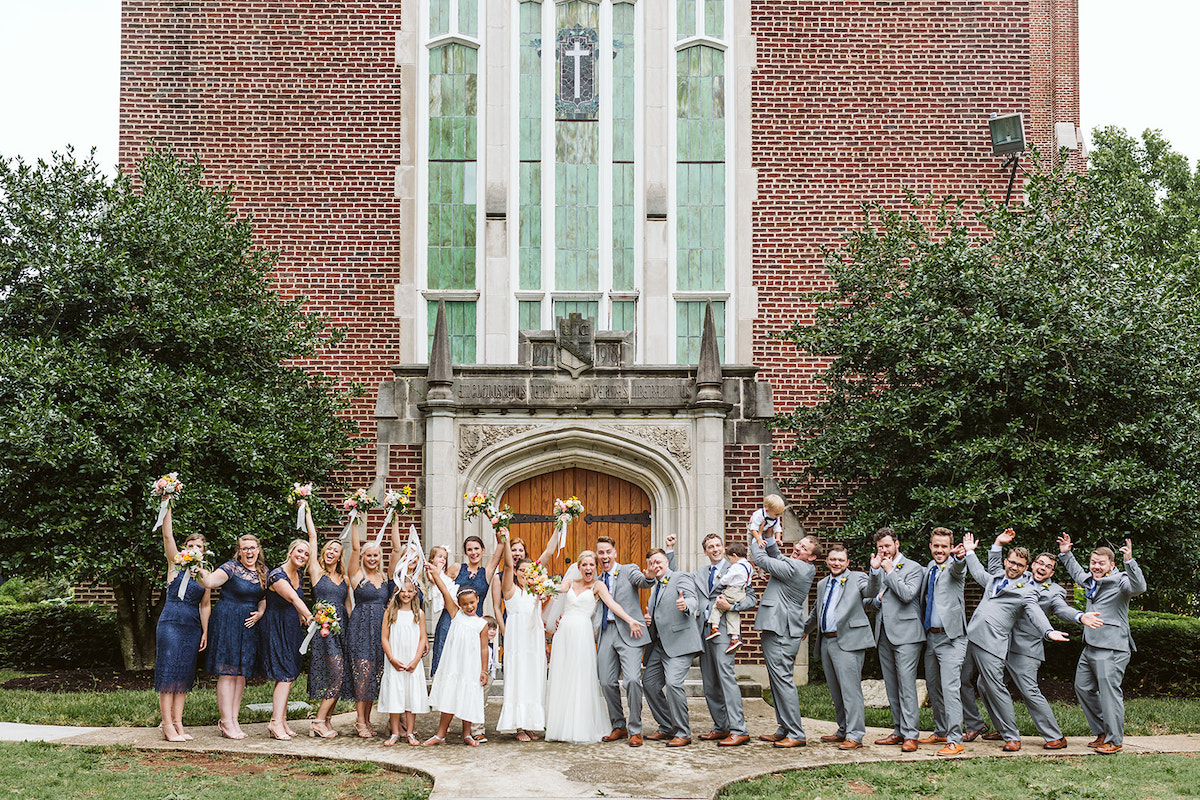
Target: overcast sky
59	62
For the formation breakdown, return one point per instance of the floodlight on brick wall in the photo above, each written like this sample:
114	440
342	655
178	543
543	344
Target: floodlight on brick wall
1008	139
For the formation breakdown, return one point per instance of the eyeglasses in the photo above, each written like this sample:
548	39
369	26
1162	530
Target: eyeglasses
249	548
1015	563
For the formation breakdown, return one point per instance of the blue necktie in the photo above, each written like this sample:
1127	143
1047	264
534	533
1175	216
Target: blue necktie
825	610
929	597
712	573
1000	587
1091	590
604	615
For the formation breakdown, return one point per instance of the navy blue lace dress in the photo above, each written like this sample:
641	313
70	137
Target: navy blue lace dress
364	638
281	633
327	661
232	647
177	638
476	580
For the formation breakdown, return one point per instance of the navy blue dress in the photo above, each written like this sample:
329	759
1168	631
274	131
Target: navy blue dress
327	662
364	638
177	638
477	581
281	633
232	647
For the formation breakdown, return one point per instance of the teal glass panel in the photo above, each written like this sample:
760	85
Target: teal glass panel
452	225
685	18
577	199
714	18
460	325
453	102
623	81
530	88
530	249
700	231
700	95
529	315
689	325
468	17
588	309
577	43
624	315
439	17
623	227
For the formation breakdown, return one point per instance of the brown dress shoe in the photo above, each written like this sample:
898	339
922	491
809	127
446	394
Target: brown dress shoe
830	738
787	742
1011	747
713	736
994	736
734	739
971	736
617	733
849	744
909	746
635	740
1055	744
1099	740
655	736
952	750
932	738
1108	749
679	741
894	738
770	737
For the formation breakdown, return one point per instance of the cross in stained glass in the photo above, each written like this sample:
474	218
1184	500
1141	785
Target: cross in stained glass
577	97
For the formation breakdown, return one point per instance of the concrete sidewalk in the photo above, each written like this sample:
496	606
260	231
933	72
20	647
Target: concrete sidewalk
506	769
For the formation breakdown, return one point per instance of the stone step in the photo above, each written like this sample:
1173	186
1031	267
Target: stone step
693	685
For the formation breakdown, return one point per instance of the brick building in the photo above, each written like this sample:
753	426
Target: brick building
632	162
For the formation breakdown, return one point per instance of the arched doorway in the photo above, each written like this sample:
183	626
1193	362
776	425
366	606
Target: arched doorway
606	500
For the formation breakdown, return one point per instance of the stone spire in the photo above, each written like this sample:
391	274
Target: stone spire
441	374
708	372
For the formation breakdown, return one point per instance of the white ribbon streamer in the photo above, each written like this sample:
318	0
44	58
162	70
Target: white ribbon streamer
162	513
345	537
313	627
413	557
383	527
300	515
187	573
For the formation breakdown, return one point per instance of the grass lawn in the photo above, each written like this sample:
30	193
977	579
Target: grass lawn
36	771
1120	777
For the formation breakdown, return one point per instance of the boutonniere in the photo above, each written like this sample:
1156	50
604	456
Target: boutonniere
665	581
842	580
898	566
1019	585
616	572
1046	585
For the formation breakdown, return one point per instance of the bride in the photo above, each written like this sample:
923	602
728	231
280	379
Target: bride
575	709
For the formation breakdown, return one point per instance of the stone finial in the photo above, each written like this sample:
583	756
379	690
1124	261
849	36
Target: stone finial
708	372
441	374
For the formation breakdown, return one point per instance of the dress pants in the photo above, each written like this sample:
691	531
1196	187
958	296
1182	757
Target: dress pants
989	669
663	681
1098	688
780	654
620	666
943	672
899	664
843	674
1023	670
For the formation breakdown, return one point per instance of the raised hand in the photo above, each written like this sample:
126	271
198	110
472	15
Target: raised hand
1127	550
681	604
669	542
886	563
958	551
876	559
1091	619
1064	542
969	542
1007	536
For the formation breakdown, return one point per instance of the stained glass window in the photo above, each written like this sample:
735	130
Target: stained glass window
460	325
689	326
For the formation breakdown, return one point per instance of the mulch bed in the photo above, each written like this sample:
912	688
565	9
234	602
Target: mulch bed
101	680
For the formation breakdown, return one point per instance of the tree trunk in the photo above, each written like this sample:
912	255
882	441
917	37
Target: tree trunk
137	616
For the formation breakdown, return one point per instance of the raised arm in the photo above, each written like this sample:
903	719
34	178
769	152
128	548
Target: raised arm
1065	557
978	573
170	549
1137	580
315	567
354	568
774	565
436	576
635	626
494	561
506	583
551	546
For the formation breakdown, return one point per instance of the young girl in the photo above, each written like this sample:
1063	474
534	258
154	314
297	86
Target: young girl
457	689
434	604
524	653
402	690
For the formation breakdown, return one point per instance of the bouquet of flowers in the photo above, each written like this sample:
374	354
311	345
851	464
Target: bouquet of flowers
565	511
357	503
538	581
326	617
396	503
480	502
501	519
301	493
165	488
191	561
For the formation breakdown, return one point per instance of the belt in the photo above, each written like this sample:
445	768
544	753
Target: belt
937	630
831	635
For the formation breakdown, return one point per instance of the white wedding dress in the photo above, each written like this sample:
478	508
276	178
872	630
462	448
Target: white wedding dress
575	709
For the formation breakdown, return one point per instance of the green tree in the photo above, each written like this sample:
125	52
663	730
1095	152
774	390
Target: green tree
140	334
1035	366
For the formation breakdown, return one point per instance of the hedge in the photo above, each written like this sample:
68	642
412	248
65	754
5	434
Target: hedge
37	636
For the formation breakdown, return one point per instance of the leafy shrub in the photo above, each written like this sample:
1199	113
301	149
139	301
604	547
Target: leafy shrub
53	636
38	590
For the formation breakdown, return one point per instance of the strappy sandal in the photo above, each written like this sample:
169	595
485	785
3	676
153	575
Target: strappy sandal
413	740
391	740
523	736
321	728
433	741
470	740
365	731
481	739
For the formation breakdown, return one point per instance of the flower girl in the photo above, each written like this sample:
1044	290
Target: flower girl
457	689
402	690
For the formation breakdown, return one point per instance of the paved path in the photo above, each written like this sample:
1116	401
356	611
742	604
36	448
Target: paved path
505	769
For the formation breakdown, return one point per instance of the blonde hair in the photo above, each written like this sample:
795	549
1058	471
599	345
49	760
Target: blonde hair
394	605
338	567
586	554
774	502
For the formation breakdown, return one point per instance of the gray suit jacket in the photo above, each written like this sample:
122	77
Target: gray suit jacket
996	616
624	589
781	609
1026	638
700	583
1111	600
900	613
948	595
853	627
677	630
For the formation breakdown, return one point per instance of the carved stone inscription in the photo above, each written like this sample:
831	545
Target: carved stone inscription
474	439
672	438
560	393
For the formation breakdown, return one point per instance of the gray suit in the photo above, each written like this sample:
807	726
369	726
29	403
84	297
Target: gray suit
1106	650
721	691
780	620
945	645
1026	652
619	655
988	635
674	642
841	640
899	634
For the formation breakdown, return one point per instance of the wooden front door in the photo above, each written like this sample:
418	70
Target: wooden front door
603	496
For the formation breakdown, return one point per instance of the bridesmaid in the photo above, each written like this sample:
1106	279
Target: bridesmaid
473	574
372	589
181	634
327	662
283	630
233	651
517	545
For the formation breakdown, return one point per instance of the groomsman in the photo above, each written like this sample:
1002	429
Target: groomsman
721	690
1005	597
1026	652
843	635
781	623
945	621
1106	649
674	642
898	635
